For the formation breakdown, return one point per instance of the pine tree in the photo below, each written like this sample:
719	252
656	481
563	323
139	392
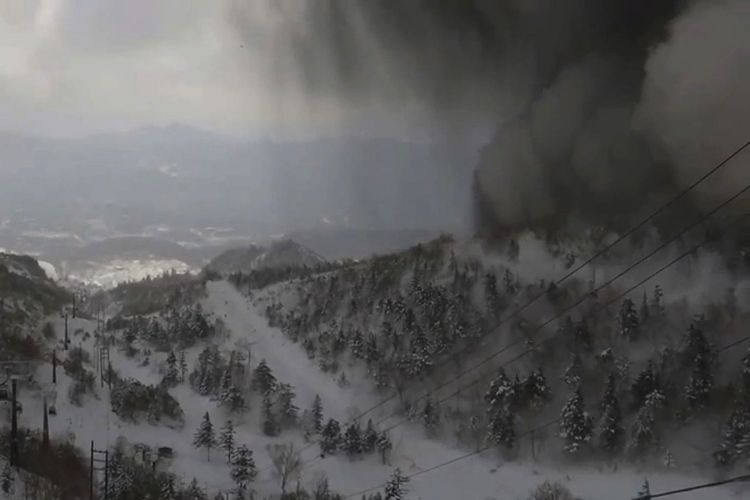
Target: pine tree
573	375
172	376
384	446
492	297
286	409
7	479
369	438
645	311
397	486
243	467
233	400
611	431
317	414
698	388
263	378
270	423
430	417
629	321
358	345
205	436
226	439
645	492
644	434
330	437
646	383
698	356
575	424
183	366
657	305
352	442
194	492
501	430
535	390
167	491
226	384
372	353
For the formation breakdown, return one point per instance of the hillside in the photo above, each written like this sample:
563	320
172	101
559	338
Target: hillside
365	368
278	254
26	292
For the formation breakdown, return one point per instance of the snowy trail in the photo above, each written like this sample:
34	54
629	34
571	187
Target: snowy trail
288	360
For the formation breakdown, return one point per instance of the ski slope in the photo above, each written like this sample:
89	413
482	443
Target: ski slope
480	477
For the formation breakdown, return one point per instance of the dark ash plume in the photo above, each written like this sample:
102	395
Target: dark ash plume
598	106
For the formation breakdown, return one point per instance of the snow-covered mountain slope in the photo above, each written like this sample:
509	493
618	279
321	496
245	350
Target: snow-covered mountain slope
278	254
480	477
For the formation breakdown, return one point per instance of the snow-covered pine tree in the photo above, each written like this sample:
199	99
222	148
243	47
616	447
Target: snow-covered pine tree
195	492
629	320
172	376
575	424
270	422
330	437
644	432
182	366
430	417
397	486
243	467
611	431
646	383
535	390
317	414
491	296
645	310
645	492
384	446
286	410
226	383
372	353
168	490
226	439
263	378
357	344
205	436
234	400
369	438
700	383
657	304
352	441
501	428
7	479
573	375
698	356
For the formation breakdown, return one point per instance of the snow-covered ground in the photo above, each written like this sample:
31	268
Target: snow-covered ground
480	477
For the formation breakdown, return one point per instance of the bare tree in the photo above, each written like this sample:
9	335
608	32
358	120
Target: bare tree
287	463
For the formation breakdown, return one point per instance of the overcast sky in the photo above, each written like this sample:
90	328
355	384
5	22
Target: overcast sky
72	67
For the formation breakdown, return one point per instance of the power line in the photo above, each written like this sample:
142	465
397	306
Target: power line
544	426
568	275
588	261
583	298
736	479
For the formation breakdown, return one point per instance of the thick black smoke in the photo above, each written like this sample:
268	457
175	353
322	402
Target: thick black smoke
598	106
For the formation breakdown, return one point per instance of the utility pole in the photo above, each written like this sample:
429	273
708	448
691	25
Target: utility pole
66	331
45	427
13	426
98	464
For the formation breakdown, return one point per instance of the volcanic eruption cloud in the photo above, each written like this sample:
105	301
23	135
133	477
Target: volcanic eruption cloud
598	107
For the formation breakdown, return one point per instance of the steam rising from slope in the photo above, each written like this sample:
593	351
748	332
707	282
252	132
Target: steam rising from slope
596	106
